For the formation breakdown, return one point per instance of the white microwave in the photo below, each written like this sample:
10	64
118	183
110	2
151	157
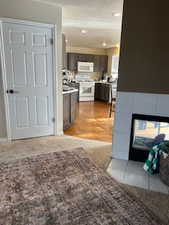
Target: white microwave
85	67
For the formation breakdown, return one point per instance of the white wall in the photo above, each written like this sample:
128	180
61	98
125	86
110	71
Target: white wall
46	13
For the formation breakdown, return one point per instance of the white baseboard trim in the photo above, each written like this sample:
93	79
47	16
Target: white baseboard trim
3	139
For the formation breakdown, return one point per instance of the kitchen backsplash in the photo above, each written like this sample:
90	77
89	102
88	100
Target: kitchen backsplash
95	76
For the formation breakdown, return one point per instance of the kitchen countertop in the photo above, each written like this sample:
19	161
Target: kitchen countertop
101	82
70	91
109	84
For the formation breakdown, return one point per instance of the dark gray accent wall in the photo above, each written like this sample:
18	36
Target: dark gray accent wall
144	57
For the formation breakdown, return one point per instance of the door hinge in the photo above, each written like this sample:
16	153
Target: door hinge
51	41
53	120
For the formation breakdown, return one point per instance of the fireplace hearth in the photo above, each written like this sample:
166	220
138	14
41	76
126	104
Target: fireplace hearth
146	131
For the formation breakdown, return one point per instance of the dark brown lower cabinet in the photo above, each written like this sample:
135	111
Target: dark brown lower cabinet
66	111
102	91
73	100
97	91
69	109
75	85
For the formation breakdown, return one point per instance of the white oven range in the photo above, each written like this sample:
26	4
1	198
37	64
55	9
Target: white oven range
86	91
86	87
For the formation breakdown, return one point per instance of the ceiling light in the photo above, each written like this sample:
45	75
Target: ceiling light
66	40
83	31
116	14
104	44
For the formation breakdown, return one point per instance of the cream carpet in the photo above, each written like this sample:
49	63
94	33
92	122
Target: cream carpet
99	152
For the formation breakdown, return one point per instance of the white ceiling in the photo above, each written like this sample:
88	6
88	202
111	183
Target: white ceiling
95	16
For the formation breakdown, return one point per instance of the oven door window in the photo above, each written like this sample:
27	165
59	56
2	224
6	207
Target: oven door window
86	90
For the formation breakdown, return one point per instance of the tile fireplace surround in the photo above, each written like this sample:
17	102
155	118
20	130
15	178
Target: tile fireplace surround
129	103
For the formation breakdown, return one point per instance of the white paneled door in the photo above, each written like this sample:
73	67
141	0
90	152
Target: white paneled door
29	76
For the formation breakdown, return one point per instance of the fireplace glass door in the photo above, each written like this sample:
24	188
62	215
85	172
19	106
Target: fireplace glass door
147	131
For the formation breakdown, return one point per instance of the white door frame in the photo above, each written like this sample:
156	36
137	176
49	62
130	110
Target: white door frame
54	61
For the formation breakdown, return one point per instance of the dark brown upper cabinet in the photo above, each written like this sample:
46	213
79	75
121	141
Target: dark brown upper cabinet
103	63
72	60
96	63
100	61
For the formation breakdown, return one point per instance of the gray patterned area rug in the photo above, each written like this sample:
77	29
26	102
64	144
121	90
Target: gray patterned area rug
65	188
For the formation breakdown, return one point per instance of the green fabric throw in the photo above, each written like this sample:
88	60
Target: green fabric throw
153	162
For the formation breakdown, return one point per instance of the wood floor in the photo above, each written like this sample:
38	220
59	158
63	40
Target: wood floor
92	122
